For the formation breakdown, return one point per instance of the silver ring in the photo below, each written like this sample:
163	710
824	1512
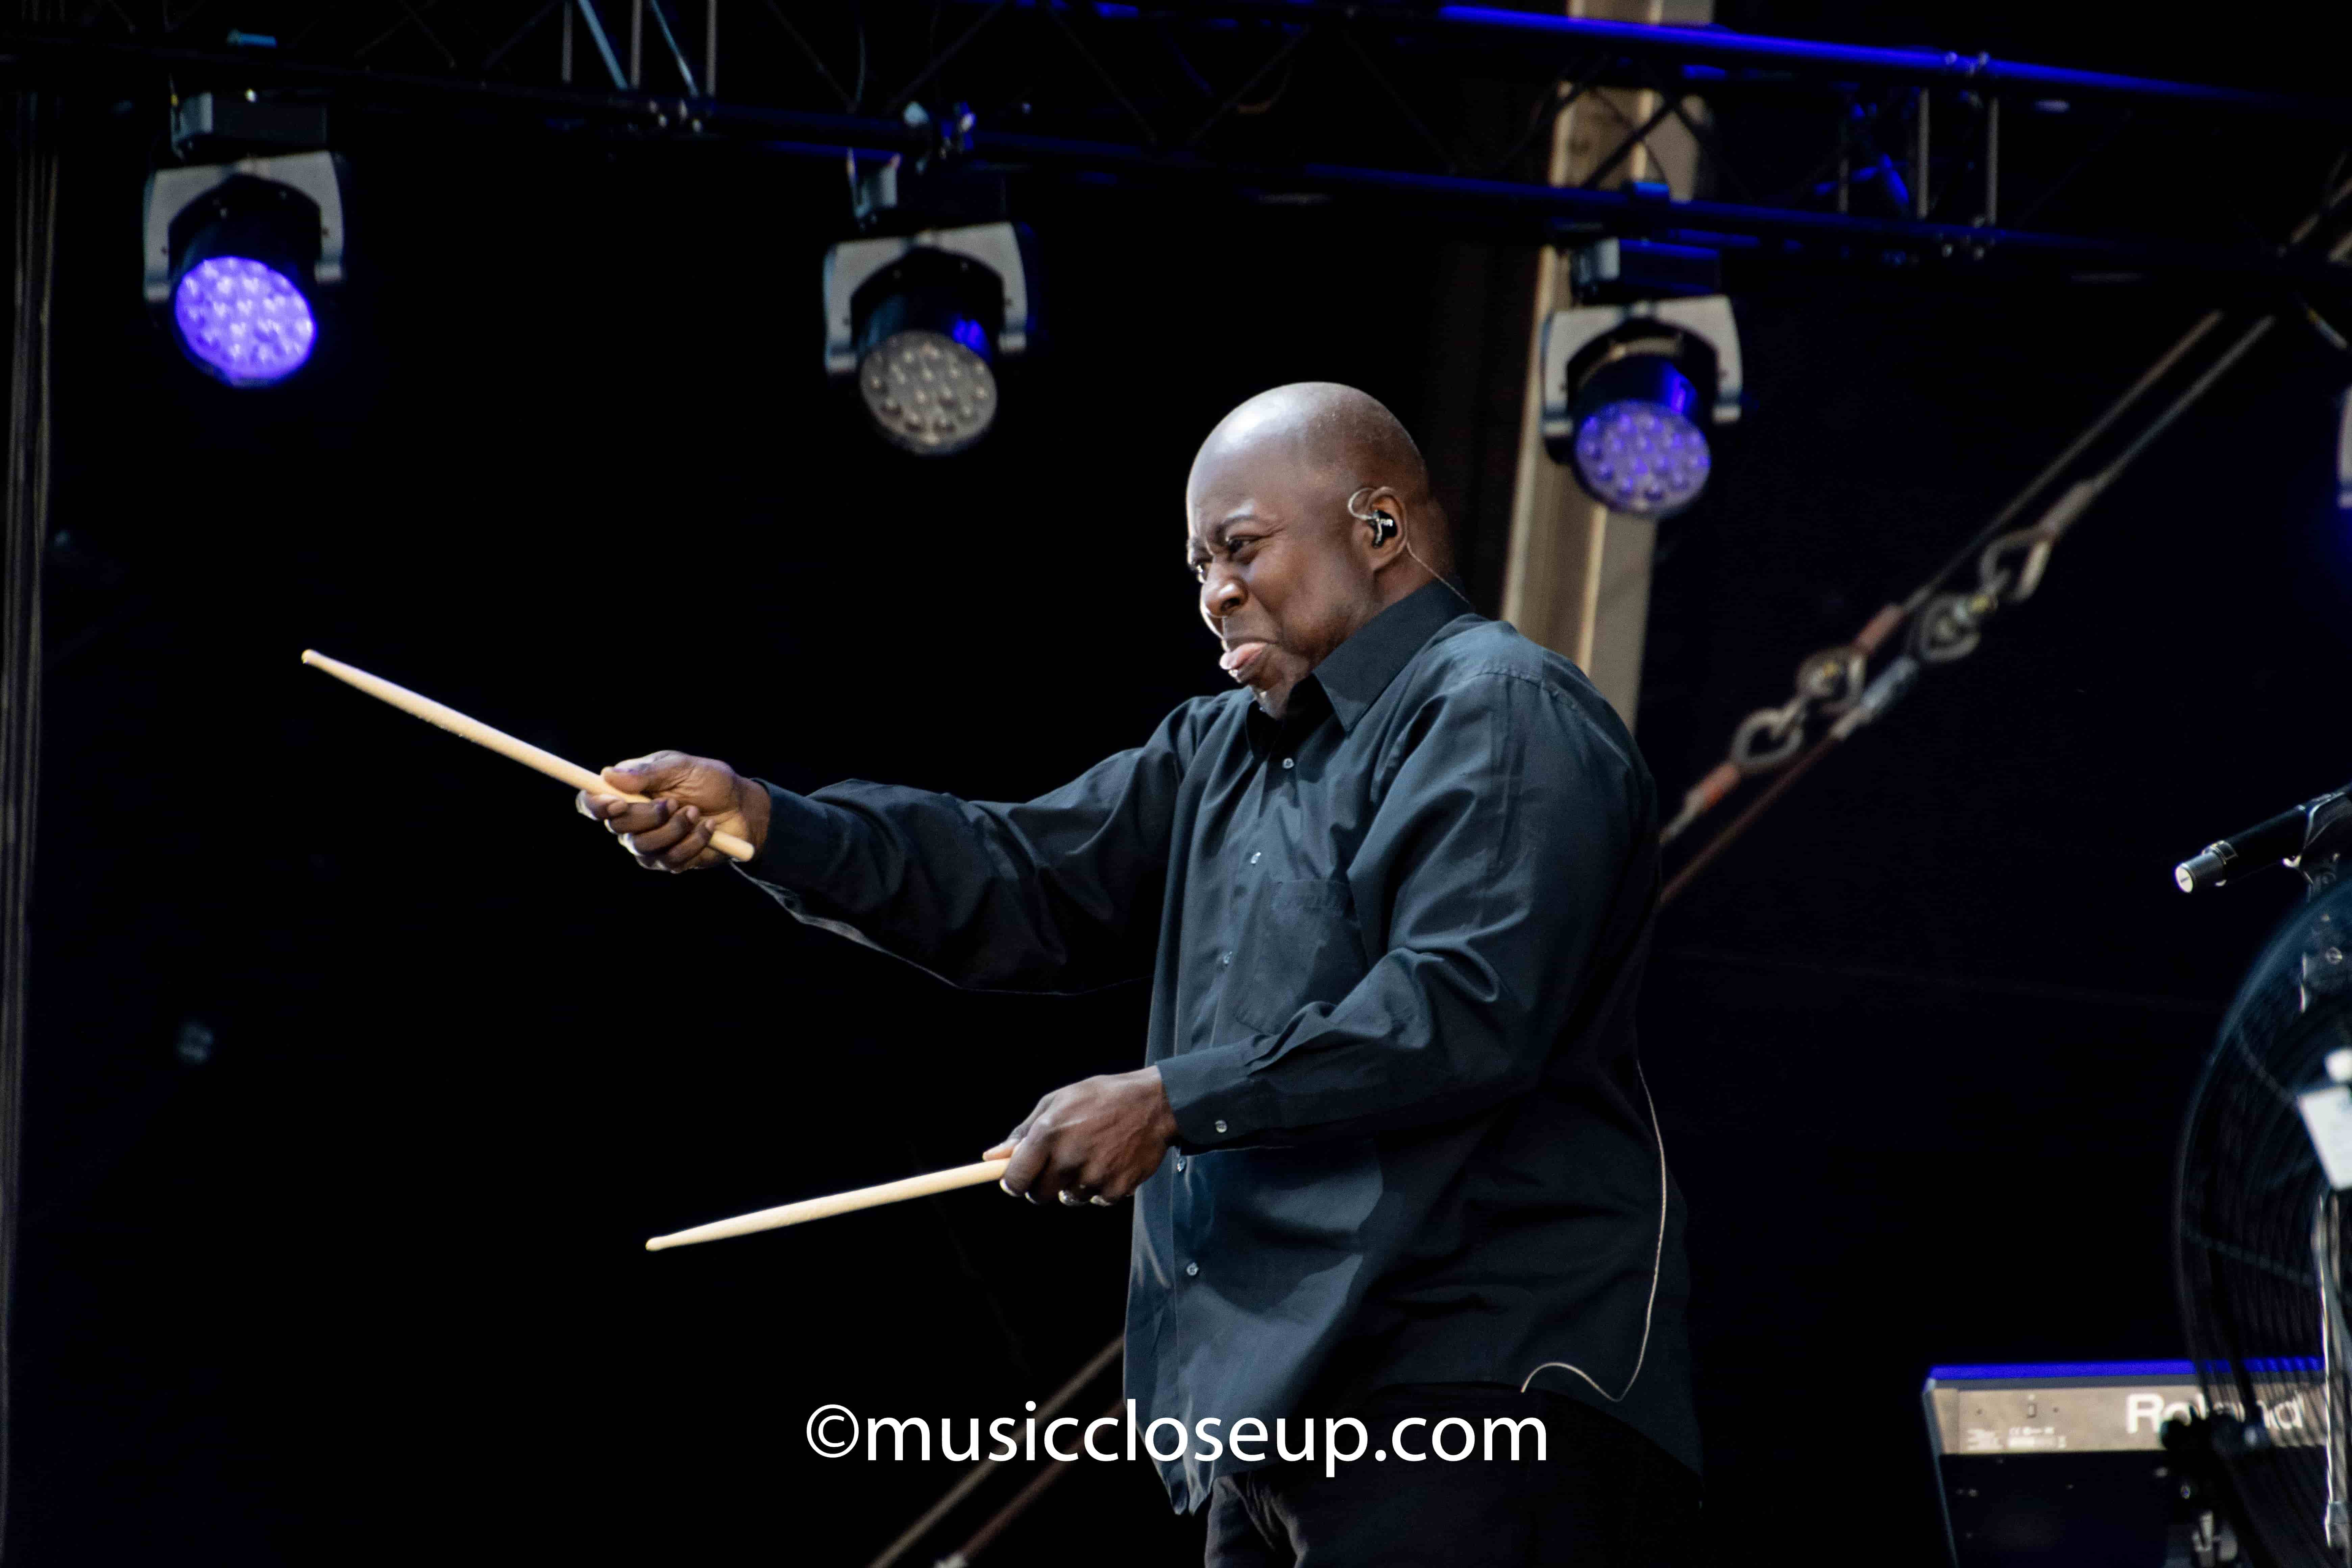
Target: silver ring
1070	1200
629	842
1099	1201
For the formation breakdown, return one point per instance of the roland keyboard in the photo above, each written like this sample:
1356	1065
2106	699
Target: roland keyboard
2065	1463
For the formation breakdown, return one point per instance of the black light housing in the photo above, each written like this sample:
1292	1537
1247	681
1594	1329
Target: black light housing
1630	394
236	256
245	216
925	322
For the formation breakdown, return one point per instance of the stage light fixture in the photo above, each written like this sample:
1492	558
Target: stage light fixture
1631	392
236	254
923	323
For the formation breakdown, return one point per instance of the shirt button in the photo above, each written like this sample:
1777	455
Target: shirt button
1220	1127
1192	1269
1224	958
1256	856
1290	762
1180	1164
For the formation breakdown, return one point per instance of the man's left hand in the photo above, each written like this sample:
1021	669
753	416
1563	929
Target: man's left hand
1094	1142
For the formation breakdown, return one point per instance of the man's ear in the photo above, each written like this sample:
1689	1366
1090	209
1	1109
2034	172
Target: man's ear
1380	506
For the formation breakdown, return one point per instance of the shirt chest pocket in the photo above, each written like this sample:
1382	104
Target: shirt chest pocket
1300	944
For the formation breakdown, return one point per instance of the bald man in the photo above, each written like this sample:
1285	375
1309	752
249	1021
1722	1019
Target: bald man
1398	1184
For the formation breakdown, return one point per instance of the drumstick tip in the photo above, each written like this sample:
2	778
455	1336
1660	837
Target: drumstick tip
309	655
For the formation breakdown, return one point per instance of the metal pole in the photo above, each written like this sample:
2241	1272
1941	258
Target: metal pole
1992	161
676	53
1845	156
1919	155
604	44
24	537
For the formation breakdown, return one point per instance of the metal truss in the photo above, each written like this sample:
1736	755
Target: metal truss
1815	152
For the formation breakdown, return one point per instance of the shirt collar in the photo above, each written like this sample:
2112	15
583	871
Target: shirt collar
1356	672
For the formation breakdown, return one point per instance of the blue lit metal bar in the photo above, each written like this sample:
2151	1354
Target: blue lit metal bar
677	55
604	44
1716	46
1510	33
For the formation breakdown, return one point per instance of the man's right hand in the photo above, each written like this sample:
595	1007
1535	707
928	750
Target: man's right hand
689	799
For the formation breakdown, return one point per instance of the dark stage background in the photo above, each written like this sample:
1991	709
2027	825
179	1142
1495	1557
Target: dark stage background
362	1067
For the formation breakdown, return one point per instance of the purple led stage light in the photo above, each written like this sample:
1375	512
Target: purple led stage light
242	320
1638	444
1641	457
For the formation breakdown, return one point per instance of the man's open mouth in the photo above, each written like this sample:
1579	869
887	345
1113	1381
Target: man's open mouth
1240	656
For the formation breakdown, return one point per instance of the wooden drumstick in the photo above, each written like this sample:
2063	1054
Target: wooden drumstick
839	1203
497	741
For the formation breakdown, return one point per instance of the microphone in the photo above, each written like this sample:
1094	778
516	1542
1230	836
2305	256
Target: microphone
2278	840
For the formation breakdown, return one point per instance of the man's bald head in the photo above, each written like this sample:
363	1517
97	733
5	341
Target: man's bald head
1346	439
1280	529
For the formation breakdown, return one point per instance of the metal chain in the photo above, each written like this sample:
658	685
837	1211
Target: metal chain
1945	626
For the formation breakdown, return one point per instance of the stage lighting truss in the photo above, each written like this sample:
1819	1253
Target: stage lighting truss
236	254
923	321
1921	160
1630	394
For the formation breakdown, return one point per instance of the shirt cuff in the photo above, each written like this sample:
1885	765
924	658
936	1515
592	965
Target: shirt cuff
1215	1102
802	838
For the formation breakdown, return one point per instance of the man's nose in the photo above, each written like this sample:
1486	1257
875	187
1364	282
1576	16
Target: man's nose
1221	595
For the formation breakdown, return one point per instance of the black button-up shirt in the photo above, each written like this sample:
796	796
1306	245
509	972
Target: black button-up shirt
1395	941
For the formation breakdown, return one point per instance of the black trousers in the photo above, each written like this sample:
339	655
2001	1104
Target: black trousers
1605	1497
